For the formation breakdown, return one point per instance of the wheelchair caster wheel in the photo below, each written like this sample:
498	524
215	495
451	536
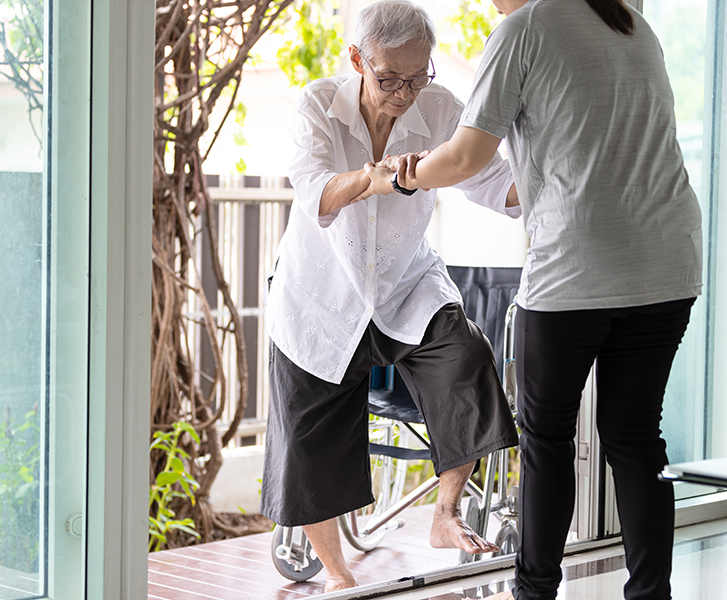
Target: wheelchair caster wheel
292	554
507	539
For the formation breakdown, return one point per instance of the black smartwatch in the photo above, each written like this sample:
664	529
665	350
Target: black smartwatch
398	188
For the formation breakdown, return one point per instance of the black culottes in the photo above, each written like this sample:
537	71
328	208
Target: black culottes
316	454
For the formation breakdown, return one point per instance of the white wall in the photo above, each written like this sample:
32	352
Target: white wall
466	234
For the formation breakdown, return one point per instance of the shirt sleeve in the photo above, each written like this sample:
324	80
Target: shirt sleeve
313	161
496	100
490	186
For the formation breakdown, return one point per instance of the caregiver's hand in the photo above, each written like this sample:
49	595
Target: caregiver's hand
405	165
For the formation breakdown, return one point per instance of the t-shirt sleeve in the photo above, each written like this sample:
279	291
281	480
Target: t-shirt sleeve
495	101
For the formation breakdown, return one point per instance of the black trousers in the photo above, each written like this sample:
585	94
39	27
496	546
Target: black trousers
633	348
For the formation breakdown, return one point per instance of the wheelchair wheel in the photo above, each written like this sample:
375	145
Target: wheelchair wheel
388	476
507	539
292	554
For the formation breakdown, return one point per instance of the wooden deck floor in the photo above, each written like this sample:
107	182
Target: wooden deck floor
242	568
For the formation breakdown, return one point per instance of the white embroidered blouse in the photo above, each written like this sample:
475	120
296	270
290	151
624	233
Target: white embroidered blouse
369	260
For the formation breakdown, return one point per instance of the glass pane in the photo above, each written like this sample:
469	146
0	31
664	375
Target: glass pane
717	417
681	26
22	380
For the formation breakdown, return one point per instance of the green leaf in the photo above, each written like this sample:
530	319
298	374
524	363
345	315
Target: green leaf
156	444
240	112
175	525
165	478
166	512
183	426
185	487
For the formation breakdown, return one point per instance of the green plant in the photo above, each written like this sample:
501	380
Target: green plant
314	43
174	481
474	22
20	491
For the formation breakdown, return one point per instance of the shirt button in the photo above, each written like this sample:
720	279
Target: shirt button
370	266
372	219
370	310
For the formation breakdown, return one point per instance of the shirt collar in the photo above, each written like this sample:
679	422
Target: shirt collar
346	108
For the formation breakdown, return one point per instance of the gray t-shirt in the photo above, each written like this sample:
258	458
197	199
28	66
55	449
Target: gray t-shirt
588	114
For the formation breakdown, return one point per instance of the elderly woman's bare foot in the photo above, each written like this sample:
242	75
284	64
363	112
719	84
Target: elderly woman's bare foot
342	582
449	530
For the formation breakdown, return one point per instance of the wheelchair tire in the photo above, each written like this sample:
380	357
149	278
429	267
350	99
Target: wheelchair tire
383	469
311	564
507	539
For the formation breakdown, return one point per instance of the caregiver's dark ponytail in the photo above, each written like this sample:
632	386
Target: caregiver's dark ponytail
614	14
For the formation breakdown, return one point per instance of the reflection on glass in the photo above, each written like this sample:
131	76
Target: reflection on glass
681	26
21	85
22	383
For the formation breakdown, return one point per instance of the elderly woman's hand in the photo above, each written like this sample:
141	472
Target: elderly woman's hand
380	176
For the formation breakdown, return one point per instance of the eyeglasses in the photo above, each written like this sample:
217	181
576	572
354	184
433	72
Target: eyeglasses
391	84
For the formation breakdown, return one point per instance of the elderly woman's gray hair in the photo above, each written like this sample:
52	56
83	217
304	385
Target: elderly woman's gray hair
393	23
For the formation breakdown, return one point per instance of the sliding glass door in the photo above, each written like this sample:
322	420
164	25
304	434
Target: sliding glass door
44	204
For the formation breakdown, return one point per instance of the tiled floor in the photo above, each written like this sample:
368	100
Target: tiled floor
699	573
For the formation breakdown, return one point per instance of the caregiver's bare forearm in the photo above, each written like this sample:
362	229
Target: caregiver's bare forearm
342	190
466	154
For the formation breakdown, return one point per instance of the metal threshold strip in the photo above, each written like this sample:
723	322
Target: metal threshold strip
384	588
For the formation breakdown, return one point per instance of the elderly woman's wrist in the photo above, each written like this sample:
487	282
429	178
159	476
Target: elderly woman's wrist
398	187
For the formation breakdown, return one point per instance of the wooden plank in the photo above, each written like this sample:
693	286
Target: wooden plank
242	568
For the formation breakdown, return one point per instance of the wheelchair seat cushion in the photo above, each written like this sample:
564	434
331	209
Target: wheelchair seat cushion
394	404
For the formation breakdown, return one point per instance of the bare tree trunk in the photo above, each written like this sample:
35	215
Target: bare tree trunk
201	48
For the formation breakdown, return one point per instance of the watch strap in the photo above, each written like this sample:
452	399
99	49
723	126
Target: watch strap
398	188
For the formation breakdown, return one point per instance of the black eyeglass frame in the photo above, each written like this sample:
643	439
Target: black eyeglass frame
382	80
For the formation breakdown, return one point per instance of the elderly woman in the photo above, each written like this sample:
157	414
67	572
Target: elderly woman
580	91
357	284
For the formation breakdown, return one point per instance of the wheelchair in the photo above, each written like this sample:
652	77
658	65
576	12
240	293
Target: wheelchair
396	437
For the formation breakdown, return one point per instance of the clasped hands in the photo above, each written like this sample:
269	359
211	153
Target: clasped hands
380	173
